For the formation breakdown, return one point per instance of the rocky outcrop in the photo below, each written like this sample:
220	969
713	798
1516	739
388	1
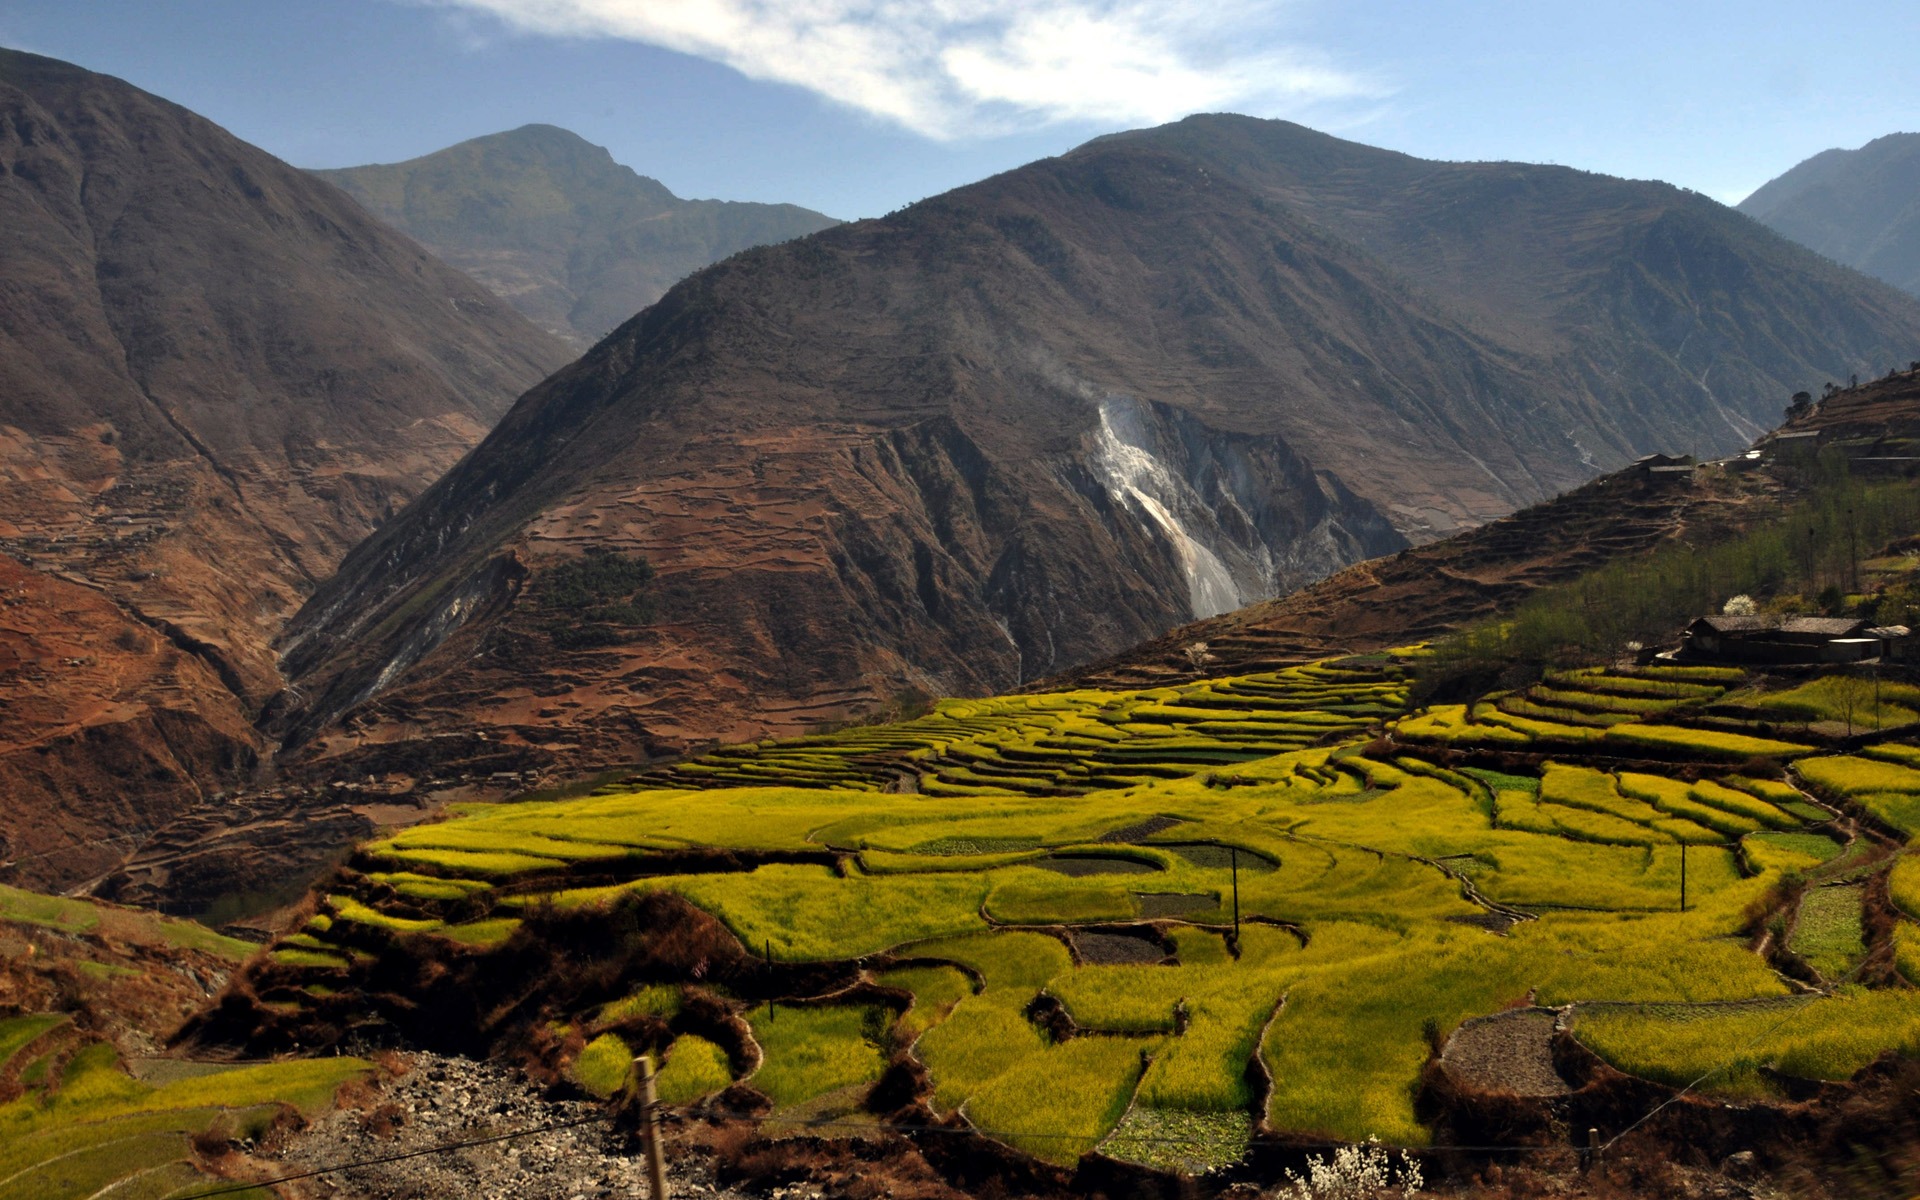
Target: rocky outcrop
1024	424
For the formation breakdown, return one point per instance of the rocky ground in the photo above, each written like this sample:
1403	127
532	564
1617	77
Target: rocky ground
434	1101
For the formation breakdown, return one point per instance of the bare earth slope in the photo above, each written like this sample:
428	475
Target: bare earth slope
1025	424
216	375
575	241
1858	207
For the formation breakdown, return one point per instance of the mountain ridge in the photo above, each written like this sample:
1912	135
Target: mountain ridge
556	227
1859	207
216	375
1041	417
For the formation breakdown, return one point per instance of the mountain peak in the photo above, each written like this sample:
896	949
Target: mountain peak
553	224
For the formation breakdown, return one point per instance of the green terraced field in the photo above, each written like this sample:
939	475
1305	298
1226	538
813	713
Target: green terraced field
1397	874
84	1127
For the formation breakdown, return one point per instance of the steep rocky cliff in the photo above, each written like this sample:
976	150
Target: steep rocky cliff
575	241
216	375
1029	422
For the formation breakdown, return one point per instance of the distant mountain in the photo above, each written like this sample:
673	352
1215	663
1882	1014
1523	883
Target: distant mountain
575	241
1035	420
1858	207
216	374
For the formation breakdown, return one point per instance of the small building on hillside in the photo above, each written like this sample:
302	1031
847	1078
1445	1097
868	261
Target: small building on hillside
1800	443
1898	640
1664	462
1781	640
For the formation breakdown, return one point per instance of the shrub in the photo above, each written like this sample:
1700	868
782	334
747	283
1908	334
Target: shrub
595	600
1354	1173
695	1068
603	1065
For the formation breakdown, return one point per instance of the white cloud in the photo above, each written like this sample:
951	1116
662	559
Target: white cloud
953	68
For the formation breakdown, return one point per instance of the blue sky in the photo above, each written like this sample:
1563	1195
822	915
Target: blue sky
856	107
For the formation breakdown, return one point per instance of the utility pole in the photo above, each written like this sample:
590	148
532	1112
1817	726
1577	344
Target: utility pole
1234	851
1853	554
650	1128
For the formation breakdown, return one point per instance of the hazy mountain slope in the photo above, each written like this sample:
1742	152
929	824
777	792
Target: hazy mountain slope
575	241
216	375
1858	207
1035	420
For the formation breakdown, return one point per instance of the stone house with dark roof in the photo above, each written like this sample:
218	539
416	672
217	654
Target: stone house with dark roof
1785	640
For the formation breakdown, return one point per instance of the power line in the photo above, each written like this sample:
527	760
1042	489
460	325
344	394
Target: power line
444	1148
1764	1034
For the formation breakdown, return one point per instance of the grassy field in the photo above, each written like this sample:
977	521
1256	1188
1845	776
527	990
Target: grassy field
1379	879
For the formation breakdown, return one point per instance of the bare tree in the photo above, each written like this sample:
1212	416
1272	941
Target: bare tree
1197	655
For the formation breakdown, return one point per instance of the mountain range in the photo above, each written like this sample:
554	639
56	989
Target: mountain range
1035	420
217	374
1001	434
575	241
1858	207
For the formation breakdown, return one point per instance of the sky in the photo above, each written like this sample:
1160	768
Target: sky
858	107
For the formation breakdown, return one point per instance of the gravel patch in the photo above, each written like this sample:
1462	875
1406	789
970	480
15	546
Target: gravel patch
1511	1053
443	1100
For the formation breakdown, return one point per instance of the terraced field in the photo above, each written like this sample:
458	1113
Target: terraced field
1239	908
77	1118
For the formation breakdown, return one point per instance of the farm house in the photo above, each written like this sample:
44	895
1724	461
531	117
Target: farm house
1786	640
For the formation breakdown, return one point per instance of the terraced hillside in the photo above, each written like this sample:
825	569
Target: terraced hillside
89	1104
1185	927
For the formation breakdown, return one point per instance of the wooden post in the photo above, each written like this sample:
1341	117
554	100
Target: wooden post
1234	851
650	1129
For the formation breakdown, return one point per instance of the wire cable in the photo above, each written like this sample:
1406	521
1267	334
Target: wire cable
444	1148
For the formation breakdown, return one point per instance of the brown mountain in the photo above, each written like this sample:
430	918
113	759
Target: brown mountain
575	241
1027	423
216	375
1858	207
